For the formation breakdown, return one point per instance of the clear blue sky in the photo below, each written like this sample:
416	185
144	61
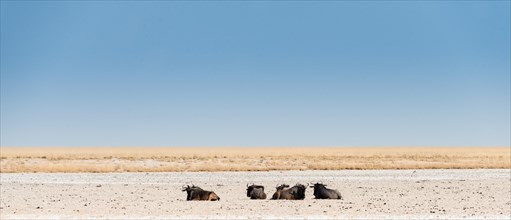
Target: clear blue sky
258	73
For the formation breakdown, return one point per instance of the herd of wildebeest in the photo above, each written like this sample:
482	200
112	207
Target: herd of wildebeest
283	191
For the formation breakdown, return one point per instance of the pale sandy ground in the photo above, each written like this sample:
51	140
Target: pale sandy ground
371	194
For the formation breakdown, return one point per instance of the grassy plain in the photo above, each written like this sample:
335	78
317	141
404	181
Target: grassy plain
166	159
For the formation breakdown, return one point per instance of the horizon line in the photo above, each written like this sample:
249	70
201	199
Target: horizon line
233	146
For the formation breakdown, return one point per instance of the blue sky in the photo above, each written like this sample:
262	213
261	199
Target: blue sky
255	73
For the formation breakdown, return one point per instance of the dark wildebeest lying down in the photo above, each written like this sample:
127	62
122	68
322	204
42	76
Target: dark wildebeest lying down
321	192
255	192
196	193
296	192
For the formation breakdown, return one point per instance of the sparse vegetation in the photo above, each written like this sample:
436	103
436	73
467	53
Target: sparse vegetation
166	159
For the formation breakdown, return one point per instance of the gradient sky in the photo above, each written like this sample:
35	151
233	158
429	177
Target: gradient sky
257	73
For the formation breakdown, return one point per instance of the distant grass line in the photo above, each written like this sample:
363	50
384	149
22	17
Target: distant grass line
176	159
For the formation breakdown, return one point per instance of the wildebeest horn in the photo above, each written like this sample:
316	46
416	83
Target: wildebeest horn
247	185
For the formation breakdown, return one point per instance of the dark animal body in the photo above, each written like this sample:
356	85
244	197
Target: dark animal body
321	192
196	193
279	193
296	192
256	192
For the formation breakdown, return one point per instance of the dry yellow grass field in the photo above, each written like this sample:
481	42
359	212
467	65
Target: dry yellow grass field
161	159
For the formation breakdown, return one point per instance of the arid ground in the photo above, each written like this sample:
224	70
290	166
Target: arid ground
146	182
439	193
172	159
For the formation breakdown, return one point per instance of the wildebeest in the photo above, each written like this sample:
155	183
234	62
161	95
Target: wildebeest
196	193
296	192
278	193
321	192
255	192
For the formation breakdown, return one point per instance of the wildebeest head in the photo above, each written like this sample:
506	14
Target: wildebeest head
189	190
299	191
301	186
317	187
251	188
186	188
281	187
256	192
